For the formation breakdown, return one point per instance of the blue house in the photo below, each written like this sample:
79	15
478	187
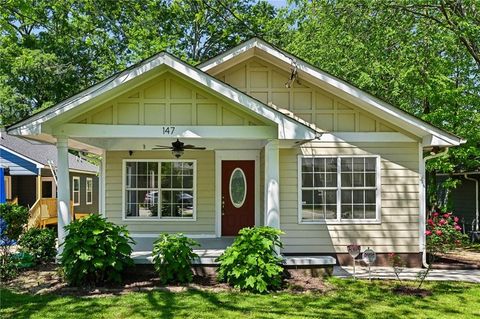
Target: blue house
27	174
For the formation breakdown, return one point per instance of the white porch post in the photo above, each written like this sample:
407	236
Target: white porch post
272	187
63	187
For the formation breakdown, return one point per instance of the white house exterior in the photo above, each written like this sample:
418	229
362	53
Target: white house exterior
287	145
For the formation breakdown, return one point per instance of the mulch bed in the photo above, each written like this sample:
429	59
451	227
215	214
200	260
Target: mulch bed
45	279
411	291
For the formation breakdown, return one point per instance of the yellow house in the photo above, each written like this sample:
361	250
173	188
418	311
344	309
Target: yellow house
254	136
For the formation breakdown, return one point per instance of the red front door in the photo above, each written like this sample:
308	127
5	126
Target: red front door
238	196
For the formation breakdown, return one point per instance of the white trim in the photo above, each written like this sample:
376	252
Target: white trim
76	178
422	185
159	217
365	137
102	184
338	220
221	155
289	127
336	84
155	235
82	172
87	179
39	165
165	131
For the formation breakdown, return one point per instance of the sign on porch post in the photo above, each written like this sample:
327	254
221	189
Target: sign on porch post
3	198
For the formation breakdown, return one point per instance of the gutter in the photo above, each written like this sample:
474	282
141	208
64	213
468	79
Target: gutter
476	199
423	208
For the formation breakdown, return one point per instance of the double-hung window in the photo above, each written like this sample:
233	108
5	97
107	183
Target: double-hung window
159	189
339	189
76	190
89	190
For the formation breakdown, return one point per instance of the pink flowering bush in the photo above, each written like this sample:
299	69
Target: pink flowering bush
443	232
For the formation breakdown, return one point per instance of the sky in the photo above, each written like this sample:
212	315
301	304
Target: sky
278	3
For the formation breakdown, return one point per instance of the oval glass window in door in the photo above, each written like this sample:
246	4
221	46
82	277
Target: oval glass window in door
238	187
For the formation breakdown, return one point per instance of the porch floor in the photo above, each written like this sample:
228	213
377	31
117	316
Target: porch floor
212	248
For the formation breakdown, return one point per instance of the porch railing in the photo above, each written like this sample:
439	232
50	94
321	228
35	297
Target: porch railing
44	213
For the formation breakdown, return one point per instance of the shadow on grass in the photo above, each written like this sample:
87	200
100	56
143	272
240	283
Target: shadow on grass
350	299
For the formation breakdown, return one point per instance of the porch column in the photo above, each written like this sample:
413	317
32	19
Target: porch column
63	189
272	187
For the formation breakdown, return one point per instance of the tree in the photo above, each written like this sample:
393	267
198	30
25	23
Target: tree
53	49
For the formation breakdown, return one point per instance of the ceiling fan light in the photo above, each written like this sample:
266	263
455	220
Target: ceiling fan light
177	153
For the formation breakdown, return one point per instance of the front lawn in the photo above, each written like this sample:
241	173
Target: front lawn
348	299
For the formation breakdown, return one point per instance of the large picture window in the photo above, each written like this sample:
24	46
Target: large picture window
159	189
339	189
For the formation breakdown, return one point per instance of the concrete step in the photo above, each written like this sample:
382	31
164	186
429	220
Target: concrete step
208	257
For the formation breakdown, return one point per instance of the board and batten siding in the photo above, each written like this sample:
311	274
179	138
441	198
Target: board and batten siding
399	227
205	194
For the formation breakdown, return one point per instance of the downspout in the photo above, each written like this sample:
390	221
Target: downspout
476	199
423	208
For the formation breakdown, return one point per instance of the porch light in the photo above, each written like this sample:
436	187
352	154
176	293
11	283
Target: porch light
177	152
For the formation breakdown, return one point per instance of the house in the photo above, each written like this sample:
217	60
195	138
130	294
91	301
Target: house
29	174
285	145
465	200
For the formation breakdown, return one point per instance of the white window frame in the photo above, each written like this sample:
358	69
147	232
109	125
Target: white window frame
87	181
159	218
76	178
338	220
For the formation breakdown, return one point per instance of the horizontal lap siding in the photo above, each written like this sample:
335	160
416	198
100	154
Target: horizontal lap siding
398	230
205	223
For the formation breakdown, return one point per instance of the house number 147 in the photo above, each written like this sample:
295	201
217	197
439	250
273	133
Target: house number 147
168	130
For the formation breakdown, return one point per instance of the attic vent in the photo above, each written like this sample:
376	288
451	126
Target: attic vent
293	74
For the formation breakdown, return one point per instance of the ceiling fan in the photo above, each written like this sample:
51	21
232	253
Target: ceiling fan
178	148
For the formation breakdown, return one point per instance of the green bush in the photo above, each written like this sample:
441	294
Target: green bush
13	219
95	251
8	267
16	218
172	257
40	243
251	263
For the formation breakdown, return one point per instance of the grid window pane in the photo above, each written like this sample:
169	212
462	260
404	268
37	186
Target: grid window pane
177	189
307	180
146	198
346	164
354	179
346	179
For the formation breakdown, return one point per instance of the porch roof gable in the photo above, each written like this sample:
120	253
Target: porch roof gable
289	126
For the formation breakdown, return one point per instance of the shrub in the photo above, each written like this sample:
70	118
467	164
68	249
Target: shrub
443	234
40	243
95	251
15	218
8	267
251	263
172	257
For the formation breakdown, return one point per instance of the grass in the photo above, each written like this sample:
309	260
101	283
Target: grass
349	299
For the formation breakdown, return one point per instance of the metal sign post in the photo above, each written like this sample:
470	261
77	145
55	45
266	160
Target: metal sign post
354	251
369	256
